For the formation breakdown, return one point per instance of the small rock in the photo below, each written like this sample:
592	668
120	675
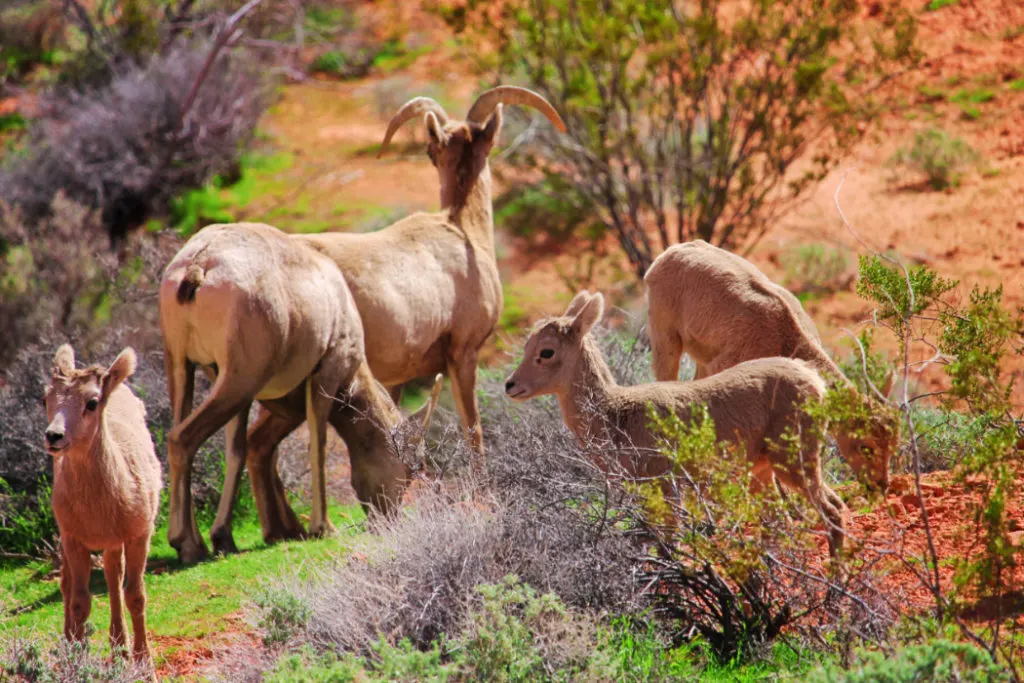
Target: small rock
1016	538
936	509
896	509
898	486
911	501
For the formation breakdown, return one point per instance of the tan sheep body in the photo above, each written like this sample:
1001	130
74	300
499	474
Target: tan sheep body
721	310
752	404
106	490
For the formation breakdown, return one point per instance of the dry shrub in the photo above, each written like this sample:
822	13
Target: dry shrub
127	148
65	662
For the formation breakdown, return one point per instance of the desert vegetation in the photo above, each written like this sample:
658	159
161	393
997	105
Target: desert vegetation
857	163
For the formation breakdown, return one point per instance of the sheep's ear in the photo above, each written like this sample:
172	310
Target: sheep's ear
577	304
121	369
63	361
491	130
433	127
588	316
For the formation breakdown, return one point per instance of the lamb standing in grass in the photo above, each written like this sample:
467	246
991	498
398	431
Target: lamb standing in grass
752	404
721	310
106	490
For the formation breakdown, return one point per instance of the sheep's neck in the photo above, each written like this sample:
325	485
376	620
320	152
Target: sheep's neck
97	465
471	209
585	402
368	420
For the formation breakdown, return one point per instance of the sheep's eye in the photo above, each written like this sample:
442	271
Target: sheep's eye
547	353
92	404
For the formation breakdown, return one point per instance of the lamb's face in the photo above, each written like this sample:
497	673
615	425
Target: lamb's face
73	408
75	399
869	454
548	359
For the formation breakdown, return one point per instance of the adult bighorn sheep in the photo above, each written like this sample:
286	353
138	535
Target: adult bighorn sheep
427	287
722	310
106	490
753	405
261	314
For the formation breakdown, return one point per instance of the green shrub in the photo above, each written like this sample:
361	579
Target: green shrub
282	615
518	635
27	524
937	661
941	157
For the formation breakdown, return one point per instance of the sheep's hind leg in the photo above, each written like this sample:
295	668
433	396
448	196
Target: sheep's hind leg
277	519
113	571
230	394
234	460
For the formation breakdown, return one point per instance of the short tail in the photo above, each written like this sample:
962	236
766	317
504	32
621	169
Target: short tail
190	284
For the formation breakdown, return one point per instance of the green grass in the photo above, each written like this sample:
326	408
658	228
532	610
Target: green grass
935	5
1017	85
190	602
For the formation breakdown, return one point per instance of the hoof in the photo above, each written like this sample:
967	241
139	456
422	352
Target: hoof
323	530
191	551
223	541
283	534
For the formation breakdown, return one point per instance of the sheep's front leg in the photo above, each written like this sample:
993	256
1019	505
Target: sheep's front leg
136	552
234	460
666	350
320	391
462	371
78	602
113	571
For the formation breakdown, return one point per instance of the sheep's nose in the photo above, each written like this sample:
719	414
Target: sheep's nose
54	437
508	385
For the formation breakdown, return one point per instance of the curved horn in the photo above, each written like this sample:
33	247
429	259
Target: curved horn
417	106
510	94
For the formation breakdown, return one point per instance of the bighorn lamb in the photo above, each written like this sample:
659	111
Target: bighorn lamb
106	490
427	288
261	314
721	310
752	404
381	444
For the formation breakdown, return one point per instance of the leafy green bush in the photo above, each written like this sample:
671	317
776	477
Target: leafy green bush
937	661
940	156
686	124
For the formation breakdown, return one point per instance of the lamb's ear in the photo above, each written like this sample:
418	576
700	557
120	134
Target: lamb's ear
63	361
589	315
121	369
577	303
491	130
433	127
